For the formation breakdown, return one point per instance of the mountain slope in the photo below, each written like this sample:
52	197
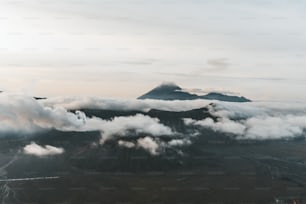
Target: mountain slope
223	97
173	92
168	92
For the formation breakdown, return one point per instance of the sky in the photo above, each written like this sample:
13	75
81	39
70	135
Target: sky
123	48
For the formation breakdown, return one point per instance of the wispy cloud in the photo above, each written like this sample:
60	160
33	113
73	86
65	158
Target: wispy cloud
218	64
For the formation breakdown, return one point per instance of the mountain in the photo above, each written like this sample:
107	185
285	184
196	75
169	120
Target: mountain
171	91
223	97
168	92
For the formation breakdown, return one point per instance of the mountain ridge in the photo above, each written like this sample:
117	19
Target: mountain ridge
171	91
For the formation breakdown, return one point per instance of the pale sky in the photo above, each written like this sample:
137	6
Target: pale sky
123	48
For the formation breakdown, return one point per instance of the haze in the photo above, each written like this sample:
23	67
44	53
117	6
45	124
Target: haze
124	48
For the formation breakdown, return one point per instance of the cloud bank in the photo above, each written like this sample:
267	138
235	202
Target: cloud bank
75	103
22	114
256	120
223	125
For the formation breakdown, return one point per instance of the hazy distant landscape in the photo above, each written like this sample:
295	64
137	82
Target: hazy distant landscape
152	102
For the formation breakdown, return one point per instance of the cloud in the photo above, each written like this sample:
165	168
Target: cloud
274	127
120	126
126	144
40	151
149	145
179	142
258	121
223	125
218	64
265	108
76	103
154	145
22	114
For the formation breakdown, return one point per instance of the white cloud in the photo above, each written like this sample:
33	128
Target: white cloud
40	151
259	120
179	142
267	120
275	127
153	145
138	123
223	125
256	120
126	144
72	103
149	145
22	114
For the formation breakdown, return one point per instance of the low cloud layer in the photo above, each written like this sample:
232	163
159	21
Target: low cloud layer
24	115
75	103
223	125
275	127
256	120
21	114
42	151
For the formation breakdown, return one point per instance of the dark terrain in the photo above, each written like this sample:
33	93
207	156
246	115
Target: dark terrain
174	92
215	168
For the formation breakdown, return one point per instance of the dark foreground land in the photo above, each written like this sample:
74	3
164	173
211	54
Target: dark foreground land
215	168
214	172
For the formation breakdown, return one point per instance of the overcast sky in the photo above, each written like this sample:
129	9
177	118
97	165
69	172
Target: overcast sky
123	48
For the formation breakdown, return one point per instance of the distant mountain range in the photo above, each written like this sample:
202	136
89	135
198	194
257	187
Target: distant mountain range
171	91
